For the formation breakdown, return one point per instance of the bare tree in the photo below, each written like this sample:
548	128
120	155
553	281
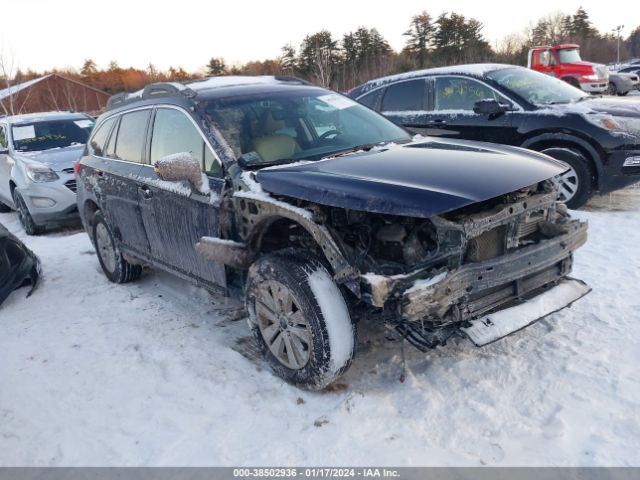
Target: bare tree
7	72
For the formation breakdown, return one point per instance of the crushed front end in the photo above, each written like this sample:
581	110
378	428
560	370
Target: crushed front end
484	271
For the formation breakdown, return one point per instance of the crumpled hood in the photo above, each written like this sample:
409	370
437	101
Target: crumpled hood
56	159
419	179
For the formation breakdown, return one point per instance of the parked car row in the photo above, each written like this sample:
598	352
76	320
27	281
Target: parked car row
323	212
598	137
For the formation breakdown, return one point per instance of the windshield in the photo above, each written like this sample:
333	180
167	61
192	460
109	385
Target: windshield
535	87
46	135
305	124
569	55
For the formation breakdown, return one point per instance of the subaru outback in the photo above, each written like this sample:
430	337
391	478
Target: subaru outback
324	213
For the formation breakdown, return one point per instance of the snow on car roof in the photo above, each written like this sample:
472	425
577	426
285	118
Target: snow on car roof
236	80
475	69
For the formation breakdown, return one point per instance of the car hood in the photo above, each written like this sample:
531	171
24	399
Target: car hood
56	159
420	179
622	107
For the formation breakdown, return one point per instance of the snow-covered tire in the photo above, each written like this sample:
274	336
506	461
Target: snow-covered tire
113	264
294	302
26	220
580	171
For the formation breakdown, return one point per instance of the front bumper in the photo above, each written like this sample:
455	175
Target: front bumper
52	202
477	288
594	87
616	175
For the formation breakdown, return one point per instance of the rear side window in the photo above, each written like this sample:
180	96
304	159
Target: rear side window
131	136
174	132
371	99
404	96
99	138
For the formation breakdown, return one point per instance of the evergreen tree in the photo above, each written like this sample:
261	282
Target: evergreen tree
420	38
581	25
634	42
319	56
288	60
216	67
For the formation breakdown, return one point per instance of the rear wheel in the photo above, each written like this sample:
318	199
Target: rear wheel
113	264
29	225
299	319
575	185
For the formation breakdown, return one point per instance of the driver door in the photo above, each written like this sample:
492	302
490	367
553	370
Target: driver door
175	216
452	114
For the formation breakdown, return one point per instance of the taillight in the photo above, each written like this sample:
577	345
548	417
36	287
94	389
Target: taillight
76	168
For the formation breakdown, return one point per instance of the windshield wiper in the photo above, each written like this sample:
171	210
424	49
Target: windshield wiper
364	147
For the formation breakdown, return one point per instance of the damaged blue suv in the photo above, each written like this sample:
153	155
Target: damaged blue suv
324	213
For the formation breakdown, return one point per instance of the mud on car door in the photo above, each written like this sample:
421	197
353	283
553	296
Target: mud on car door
113	164
175	214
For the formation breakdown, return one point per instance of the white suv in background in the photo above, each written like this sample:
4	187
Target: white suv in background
37	152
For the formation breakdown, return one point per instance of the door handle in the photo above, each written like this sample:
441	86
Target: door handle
146	192
437	121
100	173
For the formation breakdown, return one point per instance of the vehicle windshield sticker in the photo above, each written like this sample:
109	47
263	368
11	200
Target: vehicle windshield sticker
24	132
84	123
337	101
252	157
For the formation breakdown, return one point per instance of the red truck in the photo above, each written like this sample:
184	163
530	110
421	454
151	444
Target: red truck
564	62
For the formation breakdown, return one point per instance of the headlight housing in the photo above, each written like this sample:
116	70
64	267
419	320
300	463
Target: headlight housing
629	125
41	173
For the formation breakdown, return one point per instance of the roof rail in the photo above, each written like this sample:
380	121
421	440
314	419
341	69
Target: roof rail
160	89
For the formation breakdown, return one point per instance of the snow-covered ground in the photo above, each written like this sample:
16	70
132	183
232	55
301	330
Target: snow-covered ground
159	373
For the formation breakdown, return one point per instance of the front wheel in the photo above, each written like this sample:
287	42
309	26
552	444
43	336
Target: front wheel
575	185
299	319
612	89
113	264
29	225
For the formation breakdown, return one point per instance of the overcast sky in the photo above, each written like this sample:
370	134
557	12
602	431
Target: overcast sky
43	34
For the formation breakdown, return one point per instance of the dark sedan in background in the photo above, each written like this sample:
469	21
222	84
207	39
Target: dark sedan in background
599	137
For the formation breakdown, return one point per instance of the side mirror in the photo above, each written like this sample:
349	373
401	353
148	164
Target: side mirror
181	167
489	107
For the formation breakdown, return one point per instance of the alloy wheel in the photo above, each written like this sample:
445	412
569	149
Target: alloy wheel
567	184
283	325
105	247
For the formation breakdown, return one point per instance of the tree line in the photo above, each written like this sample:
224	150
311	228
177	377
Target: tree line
362	54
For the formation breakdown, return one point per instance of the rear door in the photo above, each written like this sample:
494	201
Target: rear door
404	103
452	116
114	172
175	215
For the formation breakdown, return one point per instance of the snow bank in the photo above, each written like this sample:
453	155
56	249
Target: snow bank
97	374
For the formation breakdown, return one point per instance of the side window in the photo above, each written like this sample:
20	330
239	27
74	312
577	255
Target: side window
99	137
3	137
174	132
131	136
404	96
371	99
458	93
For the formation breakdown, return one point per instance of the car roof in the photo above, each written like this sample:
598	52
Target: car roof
207	88
472	69
42	117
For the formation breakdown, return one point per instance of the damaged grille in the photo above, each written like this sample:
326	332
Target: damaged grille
499	240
